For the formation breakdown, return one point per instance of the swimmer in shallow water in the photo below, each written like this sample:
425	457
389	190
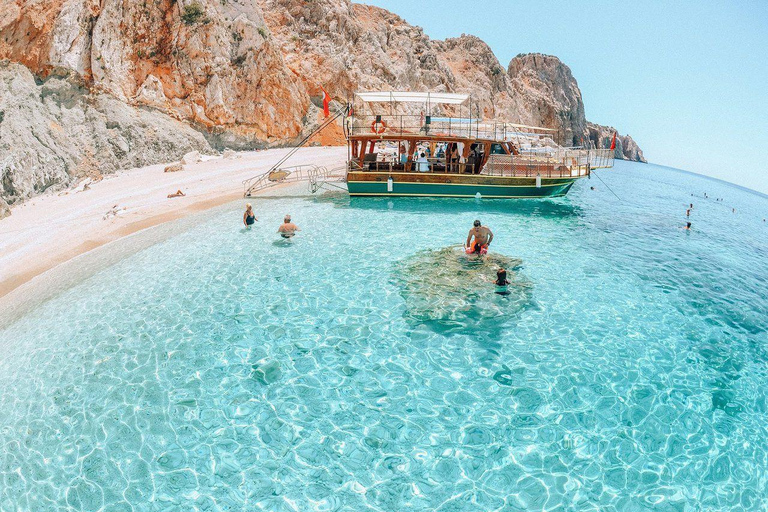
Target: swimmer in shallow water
248	217
482	239
502	284
287	229
687	226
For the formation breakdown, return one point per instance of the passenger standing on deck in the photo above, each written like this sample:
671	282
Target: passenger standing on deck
482	239
454	157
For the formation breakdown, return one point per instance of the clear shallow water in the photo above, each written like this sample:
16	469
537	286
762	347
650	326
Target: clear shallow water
223	370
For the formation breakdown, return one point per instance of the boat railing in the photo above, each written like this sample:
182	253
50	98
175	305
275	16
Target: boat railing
546	162
549	162
293	174
601	158
437	127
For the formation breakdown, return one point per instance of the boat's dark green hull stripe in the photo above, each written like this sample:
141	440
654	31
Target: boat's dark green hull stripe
455	190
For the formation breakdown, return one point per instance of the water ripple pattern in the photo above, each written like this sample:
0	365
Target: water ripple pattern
225	370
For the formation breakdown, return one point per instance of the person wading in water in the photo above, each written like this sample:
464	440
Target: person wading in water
482	239
248	217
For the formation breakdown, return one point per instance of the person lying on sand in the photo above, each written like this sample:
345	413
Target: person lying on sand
178	193
287	229
482	239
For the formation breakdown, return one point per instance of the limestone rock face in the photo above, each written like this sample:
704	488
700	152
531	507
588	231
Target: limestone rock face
544	93
475	68
246	73
54	132
626	147
348	47
345	47
190	158
5	209
210	62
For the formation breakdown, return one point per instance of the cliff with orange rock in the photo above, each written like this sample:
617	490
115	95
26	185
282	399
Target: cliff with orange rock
91	86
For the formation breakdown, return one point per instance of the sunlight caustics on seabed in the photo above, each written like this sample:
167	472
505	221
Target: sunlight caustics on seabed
228	370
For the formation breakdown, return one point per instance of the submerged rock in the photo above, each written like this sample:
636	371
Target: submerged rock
451	290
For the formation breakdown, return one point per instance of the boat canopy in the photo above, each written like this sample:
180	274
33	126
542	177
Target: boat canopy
446	98
539	128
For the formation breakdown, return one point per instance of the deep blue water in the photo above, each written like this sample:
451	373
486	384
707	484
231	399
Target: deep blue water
228	370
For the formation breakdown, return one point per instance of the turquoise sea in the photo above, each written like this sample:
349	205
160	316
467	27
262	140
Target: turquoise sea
227	370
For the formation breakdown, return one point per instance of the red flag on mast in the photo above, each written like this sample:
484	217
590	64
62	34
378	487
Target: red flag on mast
326	102
613	142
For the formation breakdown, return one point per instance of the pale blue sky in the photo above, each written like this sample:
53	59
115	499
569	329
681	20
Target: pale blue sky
687	79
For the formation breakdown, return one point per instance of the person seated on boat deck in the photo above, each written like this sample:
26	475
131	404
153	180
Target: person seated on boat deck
248	217
482	238
403	155
502	285
422	164
287	229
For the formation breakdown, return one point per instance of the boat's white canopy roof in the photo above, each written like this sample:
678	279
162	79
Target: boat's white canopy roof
447	98
538	128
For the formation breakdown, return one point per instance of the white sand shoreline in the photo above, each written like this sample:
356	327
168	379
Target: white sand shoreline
51	229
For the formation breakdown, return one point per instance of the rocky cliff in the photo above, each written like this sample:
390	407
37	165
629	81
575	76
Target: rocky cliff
55	131
626	148
244	73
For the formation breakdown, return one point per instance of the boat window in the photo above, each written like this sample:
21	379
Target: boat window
496	149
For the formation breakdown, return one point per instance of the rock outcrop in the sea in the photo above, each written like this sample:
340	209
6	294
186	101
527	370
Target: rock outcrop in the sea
248	73
626	147
55	131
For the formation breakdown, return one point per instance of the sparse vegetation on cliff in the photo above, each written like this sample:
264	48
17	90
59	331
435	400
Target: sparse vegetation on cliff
193	13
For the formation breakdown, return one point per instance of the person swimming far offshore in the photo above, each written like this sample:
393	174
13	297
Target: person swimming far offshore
482	236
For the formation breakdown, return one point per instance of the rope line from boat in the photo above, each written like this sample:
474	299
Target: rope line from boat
606	185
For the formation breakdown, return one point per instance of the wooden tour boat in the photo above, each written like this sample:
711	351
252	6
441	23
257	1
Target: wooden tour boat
464	155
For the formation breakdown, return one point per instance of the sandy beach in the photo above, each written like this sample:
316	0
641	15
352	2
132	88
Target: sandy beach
53	228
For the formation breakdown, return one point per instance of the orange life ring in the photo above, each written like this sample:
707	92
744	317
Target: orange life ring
382	127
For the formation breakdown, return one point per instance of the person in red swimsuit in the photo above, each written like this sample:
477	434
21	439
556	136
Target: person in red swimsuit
478	239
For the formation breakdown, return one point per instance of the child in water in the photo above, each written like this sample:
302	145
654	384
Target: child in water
502	285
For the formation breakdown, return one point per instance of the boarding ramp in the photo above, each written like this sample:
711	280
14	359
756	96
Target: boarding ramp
317	176
333	179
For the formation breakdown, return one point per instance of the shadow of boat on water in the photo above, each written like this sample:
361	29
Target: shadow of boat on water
557	207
